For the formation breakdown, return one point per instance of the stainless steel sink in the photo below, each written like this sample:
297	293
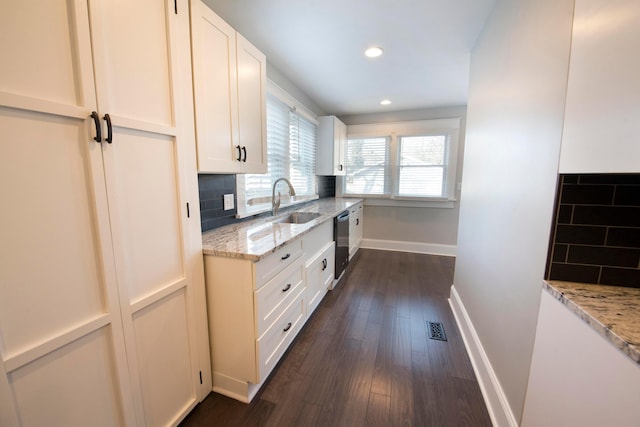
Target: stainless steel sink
298	217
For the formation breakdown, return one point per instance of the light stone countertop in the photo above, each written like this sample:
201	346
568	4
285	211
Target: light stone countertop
613	311
257	238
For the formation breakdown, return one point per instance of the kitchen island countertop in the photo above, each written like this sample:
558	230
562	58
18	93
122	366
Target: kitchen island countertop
613	311
257	238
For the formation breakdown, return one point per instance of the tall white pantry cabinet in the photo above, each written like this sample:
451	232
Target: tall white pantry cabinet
102	316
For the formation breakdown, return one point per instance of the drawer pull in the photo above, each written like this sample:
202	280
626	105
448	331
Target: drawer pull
287	328
286	288
324	264
285	257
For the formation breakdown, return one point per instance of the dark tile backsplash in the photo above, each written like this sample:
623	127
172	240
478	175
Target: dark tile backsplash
212	188
596	230
326	186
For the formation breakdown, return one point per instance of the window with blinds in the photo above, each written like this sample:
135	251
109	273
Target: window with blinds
291	153
367	166
404	161
422	166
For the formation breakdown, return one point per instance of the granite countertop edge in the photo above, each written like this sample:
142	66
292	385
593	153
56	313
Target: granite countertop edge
612	311
226	241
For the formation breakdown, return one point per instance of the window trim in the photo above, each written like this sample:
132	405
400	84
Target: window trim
395	130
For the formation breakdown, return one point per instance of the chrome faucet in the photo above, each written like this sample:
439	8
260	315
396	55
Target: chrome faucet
275	205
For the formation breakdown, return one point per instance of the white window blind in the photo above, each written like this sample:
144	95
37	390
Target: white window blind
291	153
367	165
422	166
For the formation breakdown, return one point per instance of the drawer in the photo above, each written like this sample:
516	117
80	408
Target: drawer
271	299
274	342
271	265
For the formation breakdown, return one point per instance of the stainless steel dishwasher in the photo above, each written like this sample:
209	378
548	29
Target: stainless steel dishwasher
341	236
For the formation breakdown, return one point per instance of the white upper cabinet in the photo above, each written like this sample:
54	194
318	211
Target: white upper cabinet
332	146
602	115
97	285
229	78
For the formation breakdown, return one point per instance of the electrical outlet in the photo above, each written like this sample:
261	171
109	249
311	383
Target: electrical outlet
228	202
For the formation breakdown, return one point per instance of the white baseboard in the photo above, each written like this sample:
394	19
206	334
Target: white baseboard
494	397
416	247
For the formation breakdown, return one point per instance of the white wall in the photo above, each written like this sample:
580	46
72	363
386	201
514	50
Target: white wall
431	230
514	122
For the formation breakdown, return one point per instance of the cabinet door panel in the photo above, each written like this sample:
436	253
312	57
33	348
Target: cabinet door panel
42	57
162	343
132	61
73	386
144	186
51	276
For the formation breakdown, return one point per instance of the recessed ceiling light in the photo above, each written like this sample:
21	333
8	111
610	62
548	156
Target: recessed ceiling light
385	102
373	52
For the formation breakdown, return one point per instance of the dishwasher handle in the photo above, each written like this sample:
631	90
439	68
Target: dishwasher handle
344	216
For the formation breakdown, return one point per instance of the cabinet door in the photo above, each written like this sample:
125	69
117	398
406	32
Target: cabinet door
602	114
215	91
332	146
340	147
313	278
252	106
143	83
61	336
319	274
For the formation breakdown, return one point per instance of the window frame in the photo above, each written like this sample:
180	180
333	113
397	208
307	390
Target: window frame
449	127
244	209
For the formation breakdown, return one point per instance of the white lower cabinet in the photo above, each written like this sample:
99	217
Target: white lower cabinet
256	309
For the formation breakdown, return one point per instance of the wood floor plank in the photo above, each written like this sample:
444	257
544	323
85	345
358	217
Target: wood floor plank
364	357
378	411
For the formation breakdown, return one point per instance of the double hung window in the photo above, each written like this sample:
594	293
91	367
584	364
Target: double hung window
413	161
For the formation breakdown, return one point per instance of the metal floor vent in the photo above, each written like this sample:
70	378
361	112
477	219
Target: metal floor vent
436	331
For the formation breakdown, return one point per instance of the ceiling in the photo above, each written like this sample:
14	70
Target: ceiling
319	46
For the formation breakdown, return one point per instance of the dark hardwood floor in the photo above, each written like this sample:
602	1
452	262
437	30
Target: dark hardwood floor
364	358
